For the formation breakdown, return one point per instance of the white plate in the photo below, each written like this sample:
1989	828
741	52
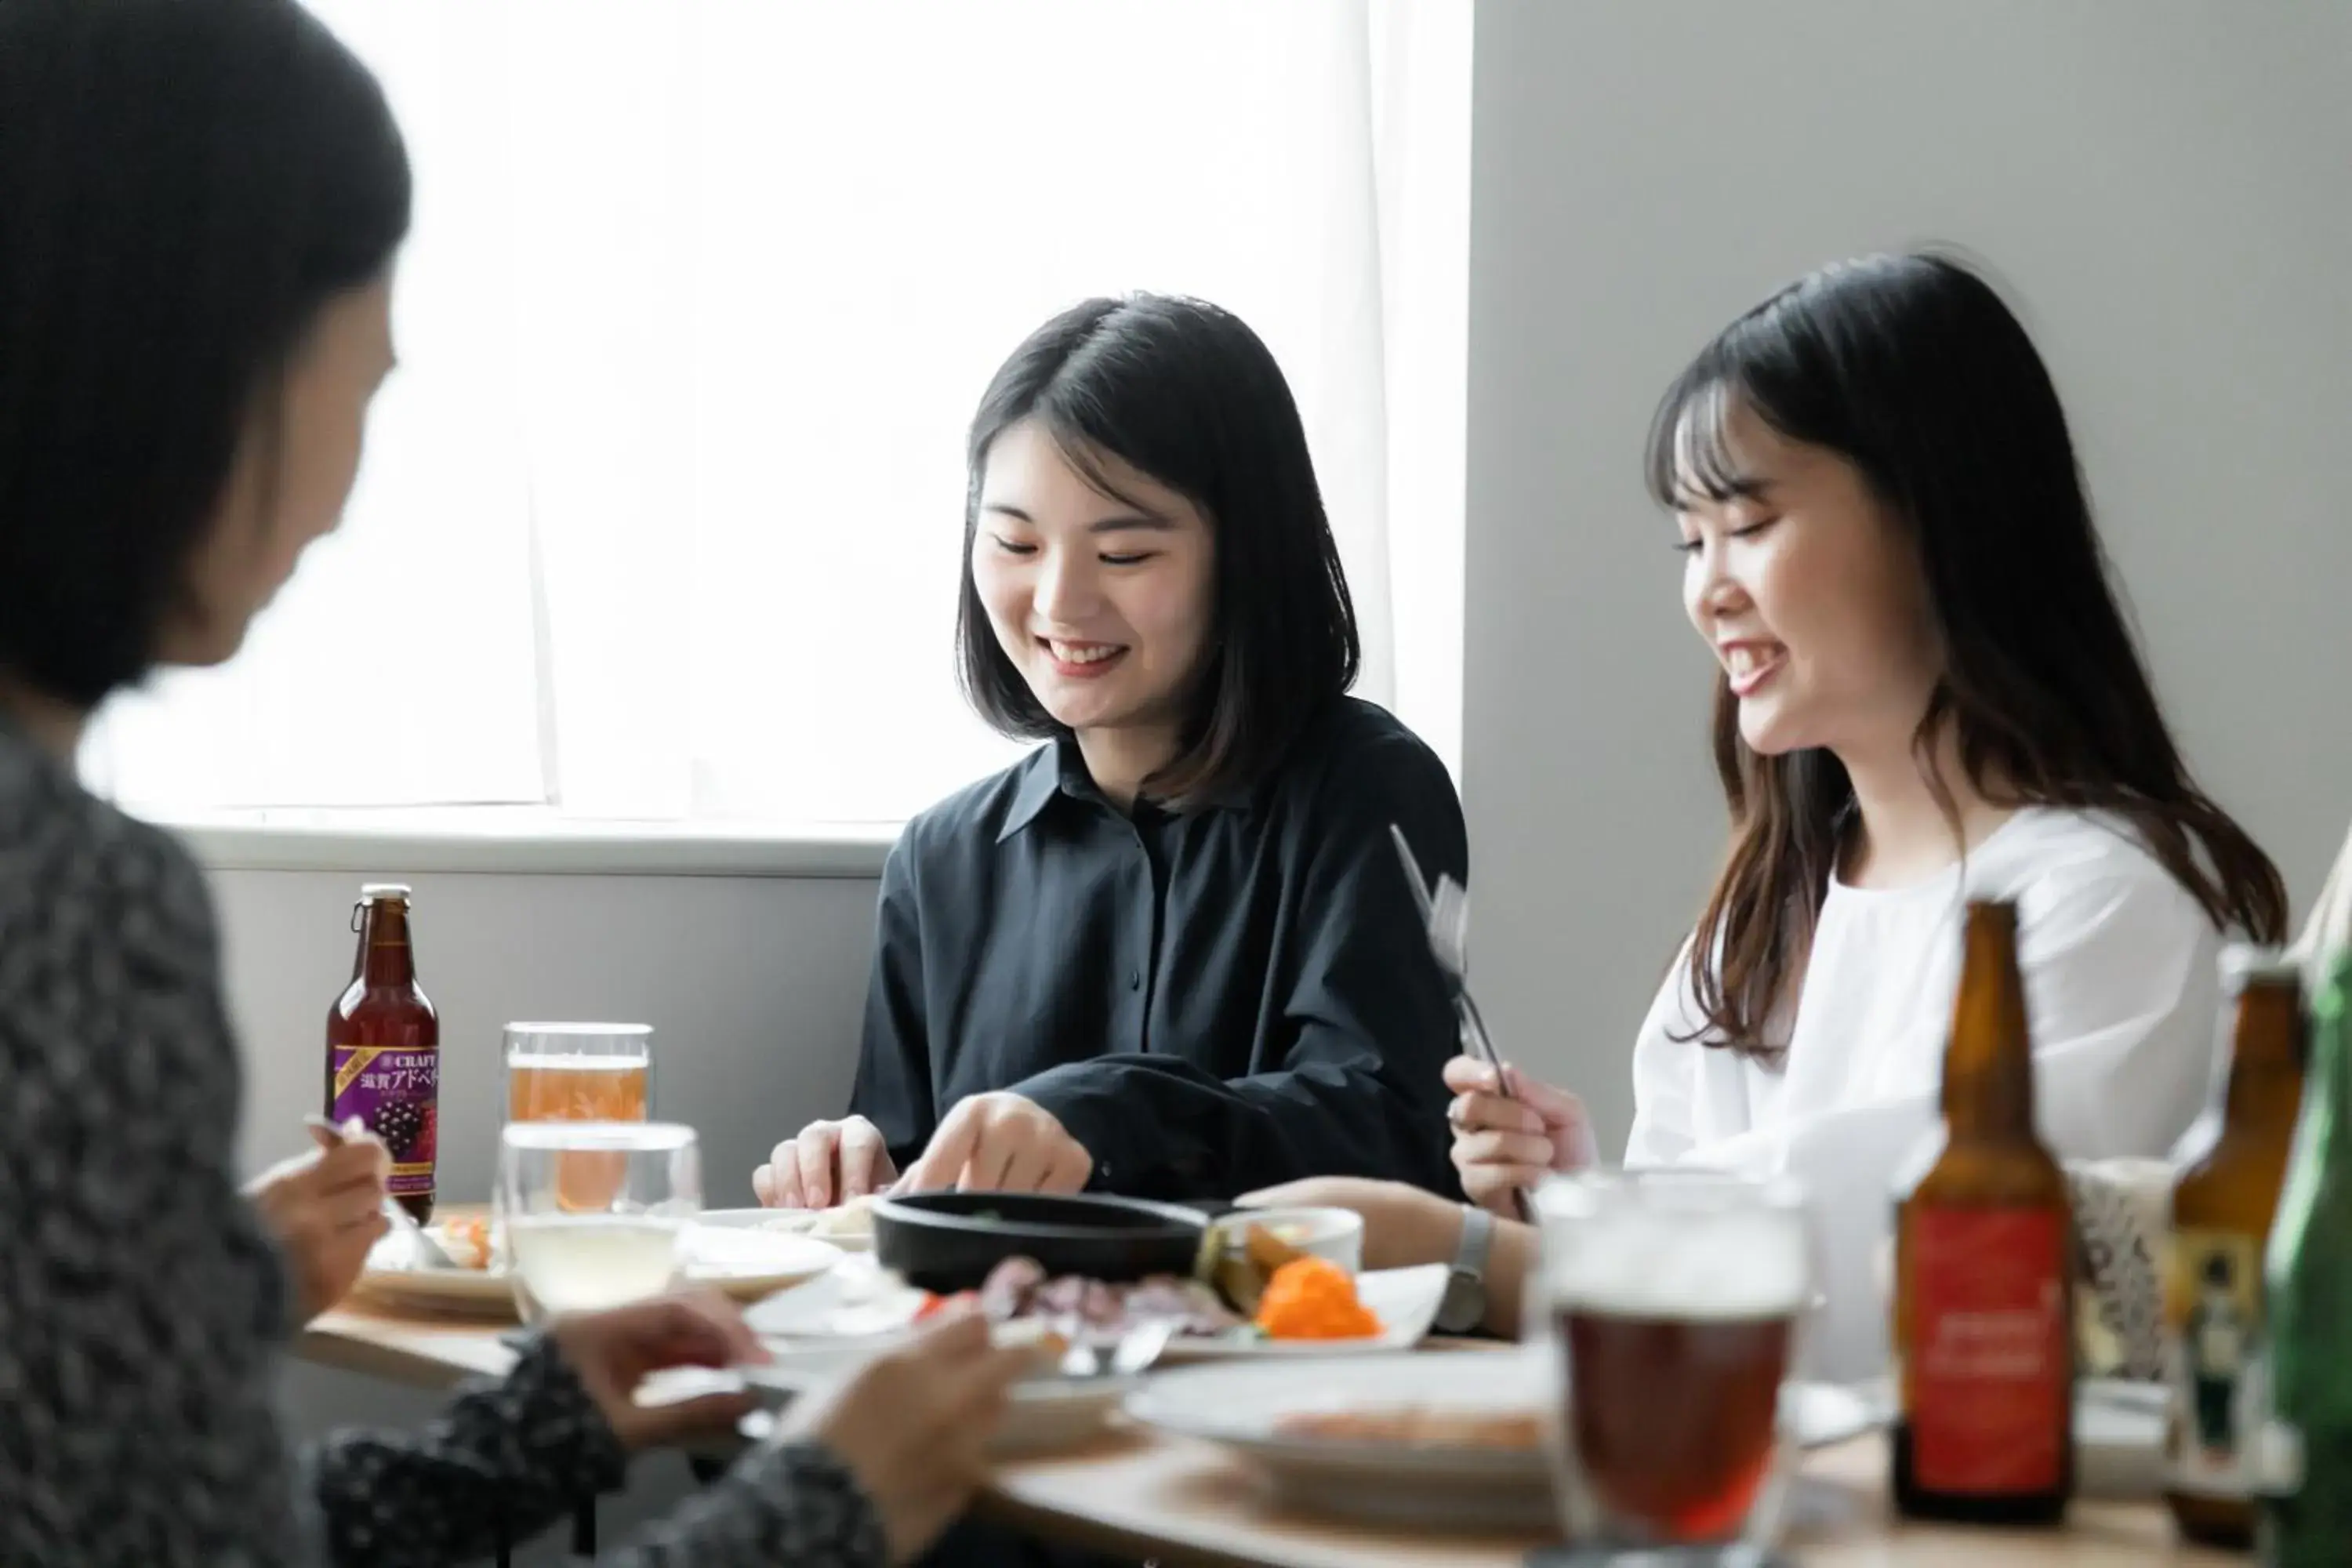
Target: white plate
860	1301
1822	1414
791	1221
1238	1406
1043	1414
749	1265
1405	1301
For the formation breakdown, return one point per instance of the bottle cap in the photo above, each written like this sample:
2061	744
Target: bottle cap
372	891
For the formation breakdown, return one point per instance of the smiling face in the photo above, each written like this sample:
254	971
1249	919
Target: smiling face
1811	595
1104	603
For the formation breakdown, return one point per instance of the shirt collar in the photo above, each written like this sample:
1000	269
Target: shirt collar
1060	769
1050	770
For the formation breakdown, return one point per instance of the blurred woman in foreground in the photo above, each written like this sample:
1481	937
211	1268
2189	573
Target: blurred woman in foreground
200	205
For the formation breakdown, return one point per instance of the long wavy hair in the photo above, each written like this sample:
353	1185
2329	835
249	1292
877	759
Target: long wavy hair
1913	369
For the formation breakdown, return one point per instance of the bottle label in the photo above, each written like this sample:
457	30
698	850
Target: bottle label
2213	1318
395	1093
1988	1374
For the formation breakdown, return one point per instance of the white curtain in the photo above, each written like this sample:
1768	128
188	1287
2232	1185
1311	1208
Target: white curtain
661	515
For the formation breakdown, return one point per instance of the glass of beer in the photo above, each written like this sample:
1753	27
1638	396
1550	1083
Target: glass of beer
1671	1302
594	1214
579	1072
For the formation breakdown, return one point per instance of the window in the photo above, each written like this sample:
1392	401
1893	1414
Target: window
661	517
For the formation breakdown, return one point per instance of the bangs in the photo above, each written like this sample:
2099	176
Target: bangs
1690	457
1091	454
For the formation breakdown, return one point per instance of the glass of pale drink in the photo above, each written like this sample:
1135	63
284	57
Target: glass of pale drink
579	1072
594	1214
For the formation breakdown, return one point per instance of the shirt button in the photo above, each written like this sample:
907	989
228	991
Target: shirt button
1135	980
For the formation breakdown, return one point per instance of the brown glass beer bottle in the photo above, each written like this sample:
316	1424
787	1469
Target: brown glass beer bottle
2222	1207
1983	1291
384	1048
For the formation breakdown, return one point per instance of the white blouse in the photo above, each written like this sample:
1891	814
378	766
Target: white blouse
2122	997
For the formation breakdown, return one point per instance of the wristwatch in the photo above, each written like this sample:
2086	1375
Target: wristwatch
1464	1305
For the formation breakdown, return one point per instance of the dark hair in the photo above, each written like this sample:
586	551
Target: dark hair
1911	368
184	183
1186	394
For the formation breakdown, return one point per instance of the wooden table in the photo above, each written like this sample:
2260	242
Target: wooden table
1189	1505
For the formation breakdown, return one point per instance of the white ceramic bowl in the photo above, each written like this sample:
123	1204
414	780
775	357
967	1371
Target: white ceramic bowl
1336	1236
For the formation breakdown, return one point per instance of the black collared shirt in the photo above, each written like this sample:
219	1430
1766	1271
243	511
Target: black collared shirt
1209	1002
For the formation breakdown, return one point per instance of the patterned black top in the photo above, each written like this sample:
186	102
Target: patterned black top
143	1307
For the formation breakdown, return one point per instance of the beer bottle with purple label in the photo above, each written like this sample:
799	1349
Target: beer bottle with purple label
1983	1286
384	1048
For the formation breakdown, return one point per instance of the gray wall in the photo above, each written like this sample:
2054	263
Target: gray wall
754	987
753	984
2164	185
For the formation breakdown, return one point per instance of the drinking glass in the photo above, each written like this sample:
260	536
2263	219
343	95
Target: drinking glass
1670	1303
594	1214
579	1072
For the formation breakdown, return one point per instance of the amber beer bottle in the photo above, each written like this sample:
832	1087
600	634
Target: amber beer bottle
2221	1210
384	1048
1983	1290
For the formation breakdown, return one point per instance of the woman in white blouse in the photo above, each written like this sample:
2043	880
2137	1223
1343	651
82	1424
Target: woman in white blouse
1926	693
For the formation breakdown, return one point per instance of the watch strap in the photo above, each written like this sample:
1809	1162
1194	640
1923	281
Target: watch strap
1465	1306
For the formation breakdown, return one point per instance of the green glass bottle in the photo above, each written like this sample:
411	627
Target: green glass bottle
2306	1459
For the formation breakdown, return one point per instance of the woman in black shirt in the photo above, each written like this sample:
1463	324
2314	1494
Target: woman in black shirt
1171	953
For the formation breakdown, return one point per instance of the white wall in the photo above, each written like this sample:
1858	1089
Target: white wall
754	986
2165	185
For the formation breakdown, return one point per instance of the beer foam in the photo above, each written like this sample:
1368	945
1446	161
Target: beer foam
574	1061
1704	1267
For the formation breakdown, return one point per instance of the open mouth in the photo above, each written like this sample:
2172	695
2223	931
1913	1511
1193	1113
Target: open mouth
1751	664
1082	660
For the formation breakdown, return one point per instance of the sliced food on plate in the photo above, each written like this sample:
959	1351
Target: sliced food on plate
1283	1283
1281	1294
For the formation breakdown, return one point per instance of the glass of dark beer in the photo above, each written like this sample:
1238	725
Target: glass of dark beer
1671	1301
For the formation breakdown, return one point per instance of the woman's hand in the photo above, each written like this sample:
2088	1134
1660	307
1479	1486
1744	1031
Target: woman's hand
826	1164
1503	1145
913	1426
612	1351
1403	1225
326	1209
1001	1142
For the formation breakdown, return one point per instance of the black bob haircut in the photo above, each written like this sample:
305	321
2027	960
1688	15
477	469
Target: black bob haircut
1184	393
